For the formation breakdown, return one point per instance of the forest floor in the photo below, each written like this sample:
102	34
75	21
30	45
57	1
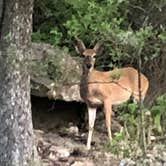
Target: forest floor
60	142
59	149
63	148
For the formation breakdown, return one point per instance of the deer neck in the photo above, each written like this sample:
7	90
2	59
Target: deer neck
85	75
84	82
86	72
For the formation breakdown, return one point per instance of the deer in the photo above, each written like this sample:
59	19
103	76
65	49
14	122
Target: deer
102	88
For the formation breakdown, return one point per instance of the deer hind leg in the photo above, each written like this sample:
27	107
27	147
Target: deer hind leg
136	97
92	117
143	92
107	111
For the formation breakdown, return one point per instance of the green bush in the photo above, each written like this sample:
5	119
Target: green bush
158	111
111	21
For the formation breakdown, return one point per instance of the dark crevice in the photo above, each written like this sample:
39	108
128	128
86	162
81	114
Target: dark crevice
50	115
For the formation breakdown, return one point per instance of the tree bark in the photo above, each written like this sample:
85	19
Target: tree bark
16	131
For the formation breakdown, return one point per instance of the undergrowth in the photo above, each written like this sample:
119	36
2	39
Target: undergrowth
125	142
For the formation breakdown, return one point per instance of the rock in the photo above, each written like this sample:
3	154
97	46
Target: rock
78	163
83	163
127	162
52	156
54	73
73	130
63	153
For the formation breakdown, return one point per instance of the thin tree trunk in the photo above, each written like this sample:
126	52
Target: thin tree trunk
16	131
141	107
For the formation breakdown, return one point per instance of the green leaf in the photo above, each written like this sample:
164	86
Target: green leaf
132	107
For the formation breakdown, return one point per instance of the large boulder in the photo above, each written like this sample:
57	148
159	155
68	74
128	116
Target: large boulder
54	73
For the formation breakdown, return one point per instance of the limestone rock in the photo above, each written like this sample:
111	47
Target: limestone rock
54	73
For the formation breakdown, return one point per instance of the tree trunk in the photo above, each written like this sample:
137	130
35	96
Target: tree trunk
16	131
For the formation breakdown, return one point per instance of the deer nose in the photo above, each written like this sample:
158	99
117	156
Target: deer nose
88	65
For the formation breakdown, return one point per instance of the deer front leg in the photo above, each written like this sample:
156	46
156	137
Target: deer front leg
92	117
107	111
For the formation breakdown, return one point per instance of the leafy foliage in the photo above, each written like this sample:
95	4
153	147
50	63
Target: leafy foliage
108	20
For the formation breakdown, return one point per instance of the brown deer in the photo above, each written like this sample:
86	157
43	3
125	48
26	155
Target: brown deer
106	88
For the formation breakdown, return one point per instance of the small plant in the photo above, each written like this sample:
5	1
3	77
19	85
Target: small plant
129	116
116	74
121	145
158	112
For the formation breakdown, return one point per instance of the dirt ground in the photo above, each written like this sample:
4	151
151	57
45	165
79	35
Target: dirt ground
58	149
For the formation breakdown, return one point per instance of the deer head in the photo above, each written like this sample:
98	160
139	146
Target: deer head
88	54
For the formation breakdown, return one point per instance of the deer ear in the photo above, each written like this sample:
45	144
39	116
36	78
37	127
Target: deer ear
98	47
79	46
